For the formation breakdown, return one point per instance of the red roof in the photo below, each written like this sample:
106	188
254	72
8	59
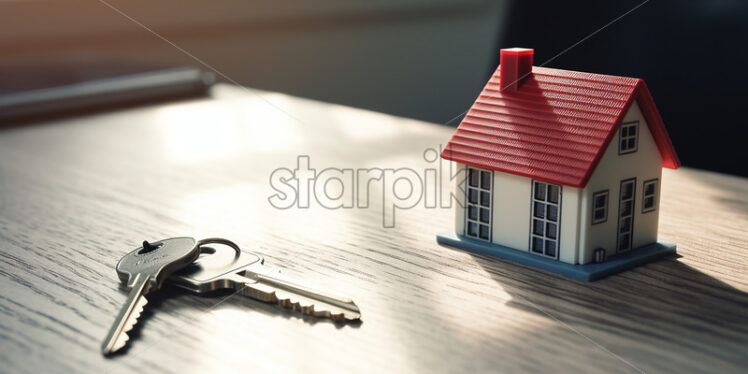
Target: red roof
555	127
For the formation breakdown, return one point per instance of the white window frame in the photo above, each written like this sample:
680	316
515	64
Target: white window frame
604	208
480	208
621	217
653	195
543	219
623	139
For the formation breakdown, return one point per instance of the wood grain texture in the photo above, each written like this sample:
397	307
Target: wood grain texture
77	194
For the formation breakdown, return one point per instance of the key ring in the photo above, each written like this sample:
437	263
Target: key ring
223	241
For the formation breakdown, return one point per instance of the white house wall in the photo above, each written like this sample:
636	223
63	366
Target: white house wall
644	164
569	235
459	193
511	214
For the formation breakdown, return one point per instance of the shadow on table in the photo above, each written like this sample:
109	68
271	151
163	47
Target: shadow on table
661	304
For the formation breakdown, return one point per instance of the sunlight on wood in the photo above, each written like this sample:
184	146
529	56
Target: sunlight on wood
215	211
203	132
199	132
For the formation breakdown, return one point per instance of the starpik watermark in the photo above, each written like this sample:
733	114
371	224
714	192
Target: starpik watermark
358	188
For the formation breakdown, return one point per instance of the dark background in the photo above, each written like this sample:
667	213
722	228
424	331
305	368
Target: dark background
424	59
692	54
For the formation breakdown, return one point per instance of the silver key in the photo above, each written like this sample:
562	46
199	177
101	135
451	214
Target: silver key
227	266
144	270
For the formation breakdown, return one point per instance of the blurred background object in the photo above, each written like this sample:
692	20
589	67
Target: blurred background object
425	59
36	90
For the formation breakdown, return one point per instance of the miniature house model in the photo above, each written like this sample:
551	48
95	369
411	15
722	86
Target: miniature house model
562	170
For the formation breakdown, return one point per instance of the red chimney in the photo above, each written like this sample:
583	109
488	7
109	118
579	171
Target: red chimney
515	64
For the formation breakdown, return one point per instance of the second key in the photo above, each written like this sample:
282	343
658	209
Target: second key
226	266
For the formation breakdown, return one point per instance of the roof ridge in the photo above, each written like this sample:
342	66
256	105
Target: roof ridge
624	88
564	92
528	100
543	84
592	75
586	84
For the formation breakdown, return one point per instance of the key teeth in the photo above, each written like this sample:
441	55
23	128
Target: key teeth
135	315
312	309
268	293
129	324
121	342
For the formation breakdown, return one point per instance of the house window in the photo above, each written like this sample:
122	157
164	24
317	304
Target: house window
599	207
478	207
629	137
649	196
626	214
544	223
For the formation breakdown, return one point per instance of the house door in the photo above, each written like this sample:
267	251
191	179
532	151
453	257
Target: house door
626	200
478	206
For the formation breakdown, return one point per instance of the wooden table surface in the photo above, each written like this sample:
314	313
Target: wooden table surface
77	194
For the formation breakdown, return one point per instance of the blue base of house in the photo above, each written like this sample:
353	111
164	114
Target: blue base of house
589	272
